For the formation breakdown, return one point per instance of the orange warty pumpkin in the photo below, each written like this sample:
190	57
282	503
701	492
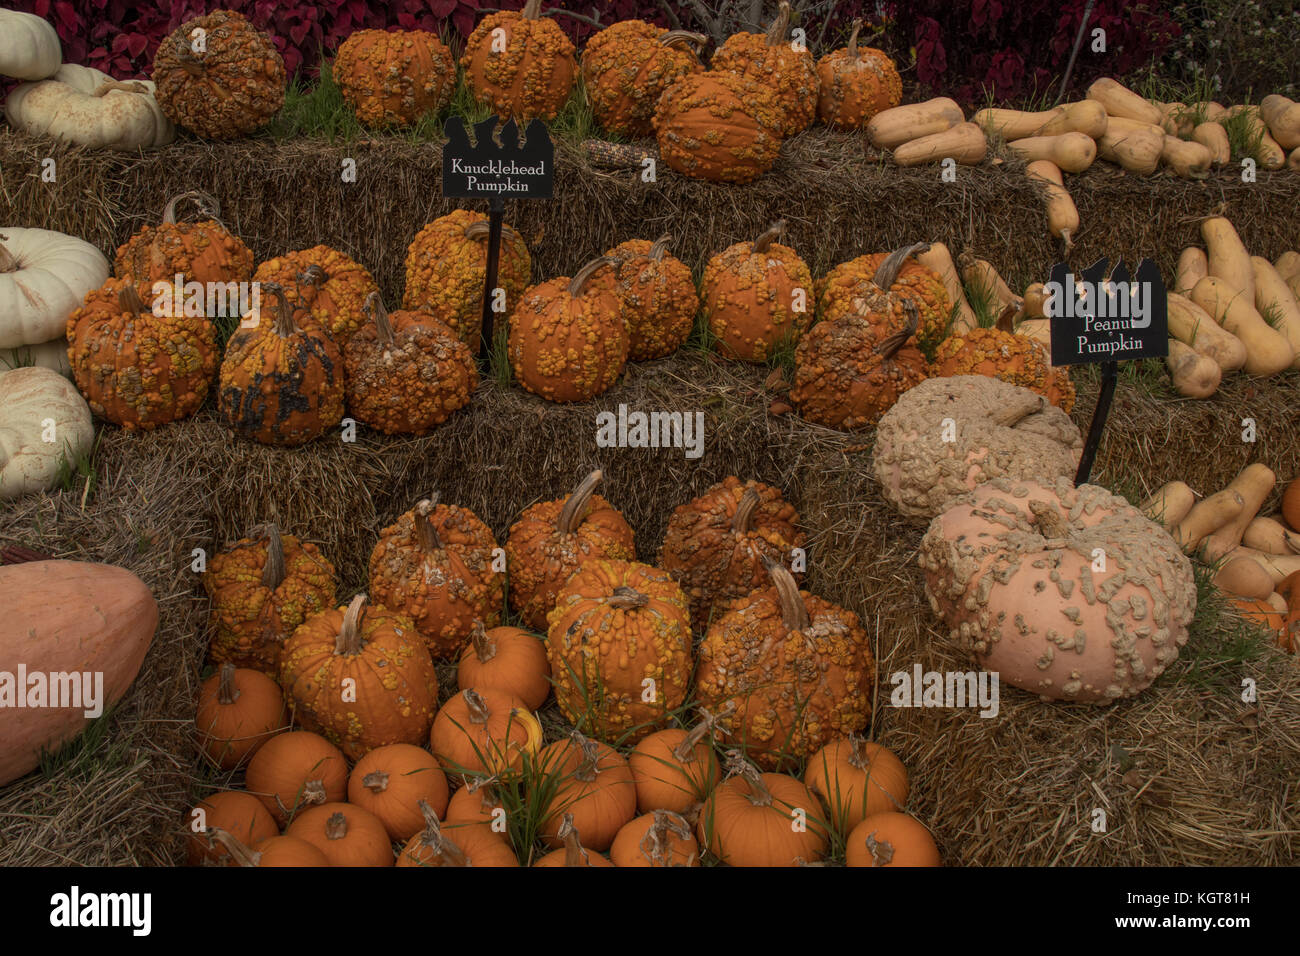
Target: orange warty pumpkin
756	296
347	835
891	839
261	588
552	539
509	658
452	845
233	811
875	286
230	87
572	853
761	819
281	383
856	779
446	266
719	127
797	669
239	710
1000	353
568	341
435	567
595	790
626	68
295	770
139	367
326	288
659	838
484	730
847	374
203	251
273	851
526	70
392	79
361	677
714	545
675	769
405	371
856	84
658	297
391	781
615	626
772	61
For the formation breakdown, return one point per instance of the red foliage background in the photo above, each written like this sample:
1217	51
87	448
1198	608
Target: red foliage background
962	46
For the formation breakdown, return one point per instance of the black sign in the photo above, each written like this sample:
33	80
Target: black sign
1099	319
504	170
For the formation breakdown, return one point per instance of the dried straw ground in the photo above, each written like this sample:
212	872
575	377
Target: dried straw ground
1188	773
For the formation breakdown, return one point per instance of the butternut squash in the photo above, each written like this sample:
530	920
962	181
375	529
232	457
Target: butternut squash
981	275
1192	325
1270	154
1071	152
1086	116
1211	110
1214	138
1192	267
1244	578
892	128
1206	517
1227	257
1136	149
1293	160
1062	214
965	143
1187	159
1267	350
1178	119
1270	536
1254	483
1288	264
1170	504
1273	298
1194	375
938	258
1279	566
1282	116
1119	100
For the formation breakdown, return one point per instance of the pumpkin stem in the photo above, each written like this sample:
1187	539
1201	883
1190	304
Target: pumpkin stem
484	647
881	851
478	709
742	523
1049	520
208	206
128	299
892	344
313	794
583	275
376	781
575	506
374	308
574	853
857	756
189	62
480	229
284	323
109	86
336	827
684	38
794	613
780	26
738	766
1004	323
238	852
432	837
853	39
532	10
227	692
348	641
654	845
588	769
626	598
1020	408
425	533
774	232
659	247
8	263
274	571
685	751
314	276
888	270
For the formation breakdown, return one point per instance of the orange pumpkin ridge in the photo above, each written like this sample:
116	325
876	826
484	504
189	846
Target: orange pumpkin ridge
876	285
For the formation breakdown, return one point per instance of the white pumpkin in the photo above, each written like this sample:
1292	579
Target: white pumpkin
84	106
52	355
29	47
43	421
44	276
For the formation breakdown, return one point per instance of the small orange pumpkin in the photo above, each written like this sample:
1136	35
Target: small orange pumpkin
520	63
484	730
658	297
856	84
506	657
856	779
478	802
203	251
750	819
346	834
295	770
675	769
658	838
464	845
239	710
391	781
233	811
891	839
394	78
573	853
595	787
773	60
627	66
274	851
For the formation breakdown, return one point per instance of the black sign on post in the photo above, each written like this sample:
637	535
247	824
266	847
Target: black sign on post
496	167
1101	318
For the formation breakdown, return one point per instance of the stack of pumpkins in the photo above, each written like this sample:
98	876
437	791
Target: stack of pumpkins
359	682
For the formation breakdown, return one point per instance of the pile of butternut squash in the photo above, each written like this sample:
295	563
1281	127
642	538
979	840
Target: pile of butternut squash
928	132
1255	558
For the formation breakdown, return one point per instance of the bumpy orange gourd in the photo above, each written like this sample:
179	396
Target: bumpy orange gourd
847	374
675	769
361	677
230	87
876	285
890	839
568	342
239	710
1000	353
392	79
202	251
626	68
434	565
749	819
595	787
451	845
797	670
715	544
232	811
552	539
774	61
484	730
328	286
526	69
856	84
261	588
346	834
406	372
573	853
295	770
280	384
138	367
756	296
615	625
855	779
658	297
446	264
659	838
391	781
718	126
506	657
